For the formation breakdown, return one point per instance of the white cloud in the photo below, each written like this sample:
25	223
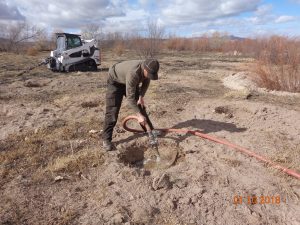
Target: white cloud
69	13
143	2
262	15
263	10
285	19
134	20
195	11
112	15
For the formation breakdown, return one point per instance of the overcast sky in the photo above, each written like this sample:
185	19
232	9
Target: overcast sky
181	17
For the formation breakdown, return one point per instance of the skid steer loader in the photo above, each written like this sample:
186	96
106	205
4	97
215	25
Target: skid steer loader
74	54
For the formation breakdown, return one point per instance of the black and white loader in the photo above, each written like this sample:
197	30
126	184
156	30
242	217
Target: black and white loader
74	54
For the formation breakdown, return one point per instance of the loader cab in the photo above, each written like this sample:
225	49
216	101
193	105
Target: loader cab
74	54
65	41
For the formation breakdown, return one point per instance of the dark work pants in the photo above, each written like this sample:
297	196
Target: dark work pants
114	96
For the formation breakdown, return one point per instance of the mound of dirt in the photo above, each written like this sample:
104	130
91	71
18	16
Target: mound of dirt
240	81
246	81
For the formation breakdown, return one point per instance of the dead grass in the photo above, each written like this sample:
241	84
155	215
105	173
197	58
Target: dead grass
231	161
67	217
76	162
65	147
286	155
90	104
238	94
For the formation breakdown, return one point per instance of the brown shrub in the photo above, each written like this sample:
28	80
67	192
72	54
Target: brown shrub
32	51
278	64
119	48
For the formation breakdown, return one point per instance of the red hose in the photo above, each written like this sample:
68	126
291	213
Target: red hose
220	141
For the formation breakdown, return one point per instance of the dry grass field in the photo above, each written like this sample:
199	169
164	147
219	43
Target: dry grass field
54	171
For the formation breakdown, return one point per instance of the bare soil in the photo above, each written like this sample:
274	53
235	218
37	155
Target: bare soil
54	171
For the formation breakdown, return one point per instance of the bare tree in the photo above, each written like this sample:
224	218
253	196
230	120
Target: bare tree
18	33
155	36
150	45
3	41
112	40
91	31
43	42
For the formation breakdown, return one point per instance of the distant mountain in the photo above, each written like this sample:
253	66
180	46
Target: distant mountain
235	38
227	37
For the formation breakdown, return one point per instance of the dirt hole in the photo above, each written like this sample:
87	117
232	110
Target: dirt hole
143	156
132	155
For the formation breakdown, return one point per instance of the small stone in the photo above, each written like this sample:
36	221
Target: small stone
119	130
194	199
93	132
249	95
20	177
29	114
78	189
79	173
185	201
161	182
181	183
117	219
46	110
107	202
143	214
110	183
171	204
58	178
229	115
145	173
32	83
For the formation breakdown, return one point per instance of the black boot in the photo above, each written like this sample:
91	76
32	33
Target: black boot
107	145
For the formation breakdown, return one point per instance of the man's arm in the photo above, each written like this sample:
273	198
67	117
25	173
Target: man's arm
132	82
144	87
143	90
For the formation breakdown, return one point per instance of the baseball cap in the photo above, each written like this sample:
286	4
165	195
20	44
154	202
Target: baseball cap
152	67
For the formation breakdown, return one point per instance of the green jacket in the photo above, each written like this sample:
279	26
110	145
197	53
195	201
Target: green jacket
131	74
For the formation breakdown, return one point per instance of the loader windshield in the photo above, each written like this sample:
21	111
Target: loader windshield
73	42
60	42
